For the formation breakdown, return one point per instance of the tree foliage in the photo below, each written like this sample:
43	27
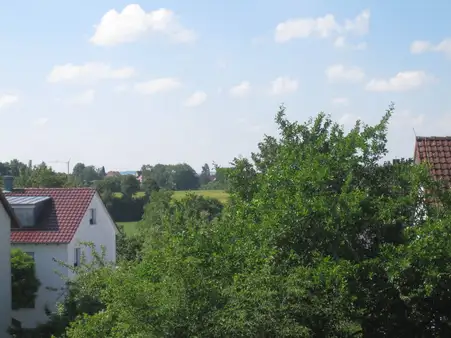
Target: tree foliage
128	247
129	185
172	177
205	175
85	175
24	282
218	180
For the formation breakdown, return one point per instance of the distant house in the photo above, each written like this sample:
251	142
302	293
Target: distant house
8	220
436	151
113	174
53	222
139	176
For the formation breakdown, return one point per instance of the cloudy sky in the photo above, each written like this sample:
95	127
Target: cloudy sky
121	84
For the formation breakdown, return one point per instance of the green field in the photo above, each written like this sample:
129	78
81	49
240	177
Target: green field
138	194
221	195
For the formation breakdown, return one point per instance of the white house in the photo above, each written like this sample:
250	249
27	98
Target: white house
53	222
7	221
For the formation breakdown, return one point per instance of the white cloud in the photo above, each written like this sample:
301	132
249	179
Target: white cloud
444	47
41	121
406	119
88	73
284	85
121	88
340	42
340	73
304	28
7	100
196	99
134	23
156	86
418	47
344	101
84	98
240	90
321	27
360	25
403	81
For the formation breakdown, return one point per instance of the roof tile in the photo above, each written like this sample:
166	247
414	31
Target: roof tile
68	208
437	152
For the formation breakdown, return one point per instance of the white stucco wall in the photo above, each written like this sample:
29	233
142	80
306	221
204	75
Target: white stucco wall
5	272
101	233
44	255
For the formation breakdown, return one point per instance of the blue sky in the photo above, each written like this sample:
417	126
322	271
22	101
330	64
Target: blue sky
200	81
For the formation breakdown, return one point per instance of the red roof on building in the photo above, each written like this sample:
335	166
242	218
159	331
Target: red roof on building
65	213
436	151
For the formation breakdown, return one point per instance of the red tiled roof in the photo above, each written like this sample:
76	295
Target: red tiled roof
66	212
436	151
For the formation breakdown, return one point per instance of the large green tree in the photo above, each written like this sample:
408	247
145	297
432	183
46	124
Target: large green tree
85	175
40	176
320	239
184	177
205	175
43	176
172	177
108	184
129	185
149	185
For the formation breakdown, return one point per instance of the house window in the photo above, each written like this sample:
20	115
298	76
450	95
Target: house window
31	254
77	256
92	216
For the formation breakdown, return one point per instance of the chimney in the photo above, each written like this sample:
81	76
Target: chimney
8	183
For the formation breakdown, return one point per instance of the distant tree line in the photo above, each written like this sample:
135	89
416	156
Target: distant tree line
183	177
124	195
179	176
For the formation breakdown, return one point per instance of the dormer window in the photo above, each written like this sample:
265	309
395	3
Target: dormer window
28	209
92	216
